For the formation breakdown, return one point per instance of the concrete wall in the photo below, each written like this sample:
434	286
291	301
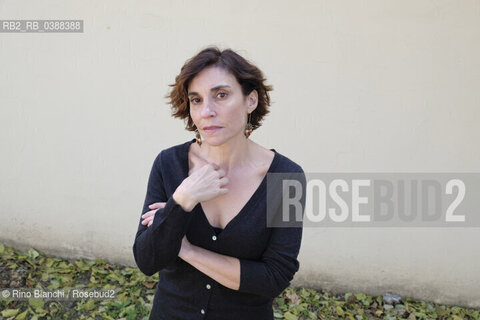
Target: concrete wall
376	86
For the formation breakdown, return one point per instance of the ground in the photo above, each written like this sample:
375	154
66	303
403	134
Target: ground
133	300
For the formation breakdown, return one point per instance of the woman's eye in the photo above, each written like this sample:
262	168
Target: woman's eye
195	100
222	94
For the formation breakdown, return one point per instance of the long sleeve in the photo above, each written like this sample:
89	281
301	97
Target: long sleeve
266	249
270	276
278	264
157	246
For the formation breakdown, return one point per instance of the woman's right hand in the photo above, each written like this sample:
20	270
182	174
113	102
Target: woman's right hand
203	184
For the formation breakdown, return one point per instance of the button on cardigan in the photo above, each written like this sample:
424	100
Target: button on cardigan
268	256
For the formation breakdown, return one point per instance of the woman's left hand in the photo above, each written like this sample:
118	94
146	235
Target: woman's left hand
150	215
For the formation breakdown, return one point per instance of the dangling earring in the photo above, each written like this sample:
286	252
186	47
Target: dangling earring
198	137
249	126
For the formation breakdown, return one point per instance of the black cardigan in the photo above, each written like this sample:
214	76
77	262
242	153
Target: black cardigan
268	256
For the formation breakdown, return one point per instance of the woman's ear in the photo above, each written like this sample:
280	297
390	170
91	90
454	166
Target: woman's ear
252	100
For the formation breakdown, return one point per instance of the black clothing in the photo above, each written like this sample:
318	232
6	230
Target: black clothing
268	256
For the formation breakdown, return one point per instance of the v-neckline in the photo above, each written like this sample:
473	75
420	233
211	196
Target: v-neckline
249	201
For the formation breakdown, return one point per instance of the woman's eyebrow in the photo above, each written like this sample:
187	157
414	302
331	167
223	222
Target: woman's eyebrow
213	89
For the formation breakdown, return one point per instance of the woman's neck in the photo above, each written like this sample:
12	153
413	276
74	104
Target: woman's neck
235	153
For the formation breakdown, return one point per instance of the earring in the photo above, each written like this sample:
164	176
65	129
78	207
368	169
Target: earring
198	137
249	126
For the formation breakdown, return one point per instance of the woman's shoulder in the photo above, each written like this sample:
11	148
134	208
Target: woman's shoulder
177	149
173	154
285	164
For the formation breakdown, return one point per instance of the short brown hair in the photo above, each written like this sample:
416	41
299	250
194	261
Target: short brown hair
248	76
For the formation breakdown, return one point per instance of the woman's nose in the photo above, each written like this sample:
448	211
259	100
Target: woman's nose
208	109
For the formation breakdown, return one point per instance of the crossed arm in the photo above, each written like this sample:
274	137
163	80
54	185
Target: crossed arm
161	239
223	269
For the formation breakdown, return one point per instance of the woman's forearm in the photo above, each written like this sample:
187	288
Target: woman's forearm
223	269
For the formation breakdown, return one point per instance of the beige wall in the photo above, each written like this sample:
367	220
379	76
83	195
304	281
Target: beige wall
376	86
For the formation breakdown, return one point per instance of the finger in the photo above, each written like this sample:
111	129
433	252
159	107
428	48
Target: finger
157	205
147	214
214	165
221	173
223	181
223	191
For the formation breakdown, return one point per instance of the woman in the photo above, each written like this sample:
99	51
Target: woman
203	226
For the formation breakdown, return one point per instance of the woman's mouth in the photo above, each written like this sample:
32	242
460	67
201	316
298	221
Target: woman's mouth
211	129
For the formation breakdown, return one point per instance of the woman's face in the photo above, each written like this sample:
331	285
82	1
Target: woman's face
218	107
